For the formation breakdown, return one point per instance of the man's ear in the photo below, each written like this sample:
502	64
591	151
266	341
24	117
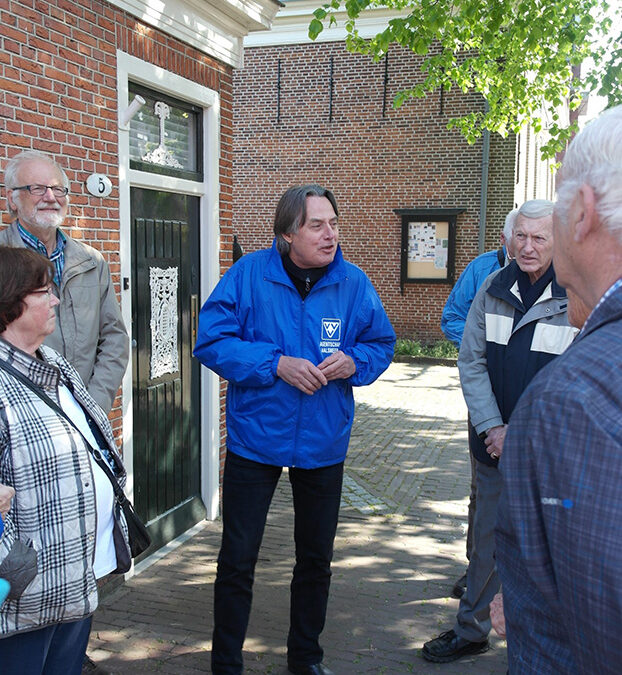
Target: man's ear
10	201
287	237
587	221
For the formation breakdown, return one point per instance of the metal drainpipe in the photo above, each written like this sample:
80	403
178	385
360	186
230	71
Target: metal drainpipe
483	200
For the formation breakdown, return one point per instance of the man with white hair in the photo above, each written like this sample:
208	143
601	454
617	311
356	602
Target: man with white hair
559	546
517	324
452	324
89	331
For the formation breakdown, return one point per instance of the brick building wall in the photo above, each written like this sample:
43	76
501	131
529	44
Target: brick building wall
374	163
59	96
501	184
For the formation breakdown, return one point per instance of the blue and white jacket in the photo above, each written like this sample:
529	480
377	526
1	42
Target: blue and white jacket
499	355
254	316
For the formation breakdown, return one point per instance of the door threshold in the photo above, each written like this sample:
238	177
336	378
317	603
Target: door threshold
166	549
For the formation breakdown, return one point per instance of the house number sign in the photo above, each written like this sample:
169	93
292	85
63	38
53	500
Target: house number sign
99	185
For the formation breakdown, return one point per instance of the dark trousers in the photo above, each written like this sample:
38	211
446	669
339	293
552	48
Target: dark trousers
248	488
473	620
58	649
472	495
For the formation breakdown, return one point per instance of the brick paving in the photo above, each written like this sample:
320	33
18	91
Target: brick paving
399	547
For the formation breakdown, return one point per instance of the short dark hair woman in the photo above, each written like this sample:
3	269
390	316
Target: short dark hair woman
63	507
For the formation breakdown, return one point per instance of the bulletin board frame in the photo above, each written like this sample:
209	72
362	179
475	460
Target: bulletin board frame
428	245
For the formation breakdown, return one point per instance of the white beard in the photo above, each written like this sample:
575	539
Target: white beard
47	219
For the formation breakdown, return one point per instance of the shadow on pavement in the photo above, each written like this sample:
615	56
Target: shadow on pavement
399	548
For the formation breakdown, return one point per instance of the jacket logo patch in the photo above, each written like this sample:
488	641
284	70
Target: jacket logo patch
331	329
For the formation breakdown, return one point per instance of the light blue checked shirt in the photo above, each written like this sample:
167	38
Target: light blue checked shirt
58	254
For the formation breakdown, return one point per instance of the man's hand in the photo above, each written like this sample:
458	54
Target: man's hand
494	441
301	374
497	617
6	495
337	366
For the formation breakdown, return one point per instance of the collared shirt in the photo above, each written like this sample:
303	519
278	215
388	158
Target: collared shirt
58	254
609	292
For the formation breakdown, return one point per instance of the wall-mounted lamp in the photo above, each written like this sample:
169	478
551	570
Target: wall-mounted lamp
131	110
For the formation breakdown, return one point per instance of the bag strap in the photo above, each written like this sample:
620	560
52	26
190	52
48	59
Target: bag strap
97	456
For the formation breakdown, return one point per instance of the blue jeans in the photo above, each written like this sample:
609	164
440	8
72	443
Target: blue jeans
248	488
58	649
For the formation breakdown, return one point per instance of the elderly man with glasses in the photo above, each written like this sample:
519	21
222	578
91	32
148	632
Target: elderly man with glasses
89	330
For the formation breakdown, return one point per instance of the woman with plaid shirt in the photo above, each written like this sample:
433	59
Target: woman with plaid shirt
62	530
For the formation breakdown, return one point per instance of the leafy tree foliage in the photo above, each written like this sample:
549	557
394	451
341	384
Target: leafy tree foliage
521	55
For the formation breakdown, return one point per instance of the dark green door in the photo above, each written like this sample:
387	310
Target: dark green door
165	287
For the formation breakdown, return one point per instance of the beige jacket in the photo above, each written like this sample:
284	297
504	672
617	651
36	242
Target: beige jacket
89	331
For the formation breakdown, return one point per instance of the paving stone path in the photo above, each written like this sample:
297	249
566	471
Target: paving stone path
399	547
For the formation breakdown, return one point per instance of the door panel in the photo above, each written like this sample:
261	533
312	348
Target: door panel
165	279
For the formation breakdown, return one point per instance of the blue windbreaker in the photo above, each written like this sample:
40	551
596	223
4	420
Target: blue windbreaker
253	317
462	294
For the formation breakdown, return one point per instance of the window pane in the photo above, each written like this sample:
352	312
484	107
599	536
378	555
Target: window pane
164	132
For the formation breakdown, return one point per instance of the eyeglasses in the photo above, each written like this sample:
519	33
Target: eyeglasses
49	291
40	190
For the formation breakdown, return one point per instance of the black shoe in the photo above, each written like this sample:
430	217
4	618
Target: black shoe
448	647
314	669
459	587
89	666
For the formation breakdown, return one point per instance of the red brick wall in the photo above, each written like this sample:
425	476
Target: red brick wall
59	95
501	178
374	164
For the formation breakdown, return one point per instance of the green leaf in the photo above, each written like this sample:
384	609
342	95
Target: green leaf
315	28
352	8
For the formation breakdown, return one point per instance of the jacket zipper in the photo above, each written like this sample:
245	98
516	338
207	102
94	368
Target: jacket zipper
301	395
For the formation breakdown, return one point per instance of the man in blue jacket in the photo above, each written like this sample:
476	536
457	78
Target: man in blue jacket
292	328
452	324
462	294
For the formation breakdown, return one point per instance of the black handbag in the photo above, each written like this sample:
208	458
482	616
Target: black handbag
138	536
137	533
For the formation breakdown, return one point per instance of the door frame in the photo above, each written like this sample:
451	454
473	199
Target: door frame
132	68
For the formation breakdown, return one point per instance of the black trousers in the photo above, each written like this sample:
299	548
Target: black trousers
248	488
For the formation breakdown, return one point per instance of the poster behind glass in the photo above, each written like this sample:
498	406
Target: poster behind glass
428	244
